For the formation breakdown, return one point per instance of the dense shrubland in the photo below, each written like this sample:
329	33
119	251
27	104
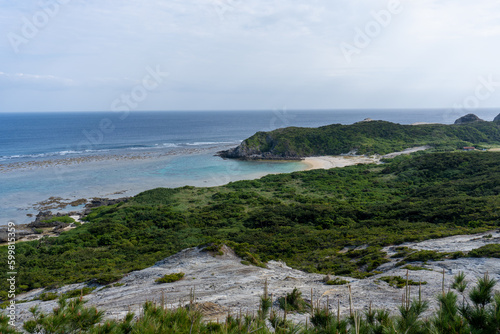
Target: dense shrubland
305	219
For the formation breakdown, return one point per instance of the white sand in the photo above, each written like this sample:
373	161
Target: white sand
327	162
423	123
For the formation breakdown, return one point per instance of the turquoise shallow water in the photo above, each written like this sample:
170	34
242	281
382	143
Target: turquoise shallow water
211	170
118	178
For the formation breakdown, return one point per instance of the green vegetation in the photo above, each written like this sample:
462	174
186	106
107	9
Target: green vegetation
337	281
491	250
411	255
62	219
70	294
480	316
402	252
170	278
415	268
399	282
366	138
427	255
423	256
459	282
323	221
293	302
215	249
48	296
78	292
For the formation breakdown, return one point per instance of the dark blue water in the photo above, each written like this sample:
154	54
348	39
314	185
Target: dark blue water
42	135
54	154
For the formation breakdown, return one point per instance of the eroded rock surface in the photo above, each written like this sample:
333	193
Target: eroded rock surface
221	284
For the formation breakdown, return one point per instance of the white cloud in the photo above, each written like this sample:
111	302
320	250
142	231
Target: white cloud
252	54
34	81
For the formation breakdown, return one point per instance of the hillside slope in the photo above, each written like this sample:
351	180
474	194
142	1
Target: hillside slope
305	219
374	137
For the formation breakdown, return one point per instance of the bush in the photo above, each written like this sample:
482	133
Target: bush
46	296
492	250
215	249
170	278
106	279
425	255
62	219
399	282
402	252
337	281
78	292
294	302
410	267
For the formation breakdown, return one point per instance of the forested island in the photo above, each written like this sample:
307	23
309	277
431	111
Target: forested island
366	137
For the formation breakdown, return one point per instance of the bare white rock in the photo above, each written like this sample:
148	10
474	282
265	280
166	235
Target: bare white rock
222	285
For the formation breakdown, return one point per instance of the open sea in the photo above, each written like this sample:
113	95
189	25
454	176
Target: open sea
85	155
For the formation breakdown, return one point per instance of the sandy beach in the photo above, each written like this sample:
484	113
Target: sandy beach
327	162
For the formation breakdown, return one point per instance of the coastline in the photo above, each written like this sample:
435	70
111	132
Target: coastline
73	180
57	184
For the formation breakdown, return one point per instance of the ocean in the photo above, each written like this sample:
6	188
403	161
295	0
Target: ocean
48	159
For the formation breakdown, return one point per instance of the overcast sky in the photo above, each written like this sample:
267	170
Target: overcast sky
100	55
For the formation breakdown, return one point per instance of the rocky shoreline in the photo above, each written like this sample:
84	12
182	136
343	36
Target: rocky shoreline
243	152
49	224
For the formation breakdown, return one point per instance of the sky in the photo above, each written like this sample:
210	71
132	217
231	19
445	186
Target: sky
111	55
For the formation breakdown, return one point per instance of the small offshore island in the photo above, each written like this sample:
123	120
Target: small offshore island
350	240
